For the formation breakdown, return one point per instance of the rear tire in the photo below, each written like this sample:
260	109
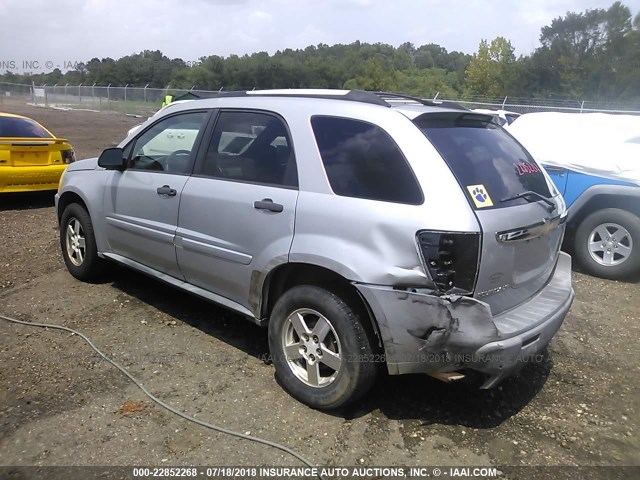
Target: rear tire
320	348
78	244
607	244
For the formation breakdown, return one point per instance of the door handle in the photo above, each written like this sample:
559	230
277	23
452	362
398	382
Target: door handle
166	190
267	204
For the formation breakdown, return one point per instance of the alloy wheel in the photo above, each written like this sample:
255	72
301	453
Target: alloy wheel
610	244
312	348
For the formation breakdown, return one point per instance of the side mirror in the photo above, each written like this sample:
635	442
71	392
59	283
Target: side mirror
112	159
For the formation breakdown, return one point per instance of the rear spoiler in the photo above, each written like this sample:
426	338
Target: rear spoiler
33	141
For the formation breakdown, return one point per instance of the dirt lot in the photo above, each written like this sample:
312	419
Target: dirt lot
61	405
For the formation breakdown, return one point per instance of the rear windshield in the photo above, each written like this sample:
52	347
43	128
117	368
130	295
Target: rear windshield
21	128
488	163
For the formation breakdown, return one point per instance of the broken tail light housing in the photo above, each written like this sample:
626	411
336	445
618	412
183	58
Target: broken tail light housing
68	156
452	259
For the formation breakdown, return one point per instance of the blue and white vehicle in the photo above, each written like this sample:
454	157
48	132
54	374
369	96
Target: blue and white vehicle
594	162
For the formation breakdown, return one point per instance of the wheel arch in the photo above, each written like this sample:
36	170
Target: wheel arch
288	275
66	199
600	197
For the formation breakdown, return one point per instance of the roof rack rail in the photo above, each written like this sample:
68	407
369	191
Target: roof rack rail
352	95
385	99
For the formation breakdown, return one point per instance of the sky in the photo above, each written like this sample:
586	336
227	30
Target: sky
46	33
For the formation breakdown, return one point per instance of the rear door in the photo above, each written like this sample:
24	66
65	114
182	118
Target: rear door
237	211
521	236
141	203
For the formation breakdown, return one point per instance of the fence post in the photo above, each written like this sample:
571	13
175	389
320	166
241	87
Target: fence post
46	100
54	92
581	106
108	93
504	102
93	93
145	93
125	98
65	91
80	93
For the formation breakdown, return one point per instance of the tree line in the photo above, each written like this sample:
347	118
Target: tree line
592	54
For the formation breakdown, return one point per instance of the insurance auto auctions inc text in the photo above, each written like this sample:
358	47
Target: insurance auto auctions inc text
378	472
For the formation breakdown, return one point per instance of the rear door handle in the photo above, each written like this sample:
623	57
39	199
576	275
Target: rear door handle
166	190
267	204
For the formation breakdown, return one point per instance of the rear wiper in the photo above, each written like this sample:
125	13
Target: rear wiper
528	195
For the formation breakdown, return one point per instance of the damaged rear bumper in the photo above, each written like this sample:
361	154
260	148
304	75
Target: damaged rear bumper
423	333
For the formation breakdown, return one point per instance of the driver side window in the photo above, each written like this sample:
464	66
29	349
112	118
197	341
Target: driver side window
168	146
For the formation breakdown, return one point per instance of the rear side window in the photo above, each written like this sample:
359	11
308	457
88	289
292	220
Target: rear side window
488	163
361	160
21	128
251	147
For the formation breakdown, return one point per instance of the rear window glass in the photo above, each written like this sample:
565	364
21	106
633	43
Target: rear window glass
361	160
21	128
485	159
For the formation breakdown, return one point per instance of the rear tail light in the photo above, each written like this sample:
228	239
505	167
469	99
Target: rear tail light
451	259
68	156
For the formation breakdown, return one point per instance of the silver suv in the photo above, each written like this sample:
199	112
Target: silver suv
363	229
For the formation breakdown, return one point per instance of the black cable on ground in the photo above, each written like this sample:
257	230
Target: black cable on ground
156	400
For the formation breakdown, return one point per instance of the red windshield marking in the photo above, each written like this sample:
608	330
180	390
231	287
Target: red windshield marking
525	168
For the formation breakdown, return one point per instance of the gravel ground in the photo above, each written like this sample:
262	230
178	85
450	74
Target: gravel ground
61	405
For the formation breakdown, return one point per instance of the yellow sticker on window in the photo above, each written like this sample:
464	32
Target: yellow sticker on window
480	196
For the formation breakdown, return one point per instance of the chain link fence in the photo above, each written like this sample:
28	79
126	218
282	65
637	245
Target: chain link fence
138	101
529	105
144	101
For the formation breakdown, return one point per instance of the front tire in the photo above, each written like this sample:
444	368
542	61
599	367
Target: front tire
78	244
607	244
320	348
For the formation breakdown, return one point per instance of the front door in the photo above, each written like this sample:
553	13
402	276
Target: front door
141	203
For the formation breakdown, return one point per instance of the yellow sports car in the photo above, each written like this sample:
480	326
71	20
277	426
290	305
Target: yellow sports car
31	157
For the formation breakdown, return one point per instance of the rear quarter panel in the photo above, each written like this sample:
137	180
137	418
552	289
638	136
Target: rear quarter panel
366	240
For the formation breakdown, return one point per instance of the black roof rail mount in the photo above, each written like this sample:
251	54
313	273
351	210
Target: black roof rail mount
399	97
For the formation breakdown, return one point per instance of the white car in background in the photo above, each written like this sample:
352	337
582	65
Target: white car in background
135	128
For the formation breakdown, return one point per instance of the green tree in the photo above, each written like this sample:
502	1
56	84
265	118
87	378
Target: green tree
491	70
